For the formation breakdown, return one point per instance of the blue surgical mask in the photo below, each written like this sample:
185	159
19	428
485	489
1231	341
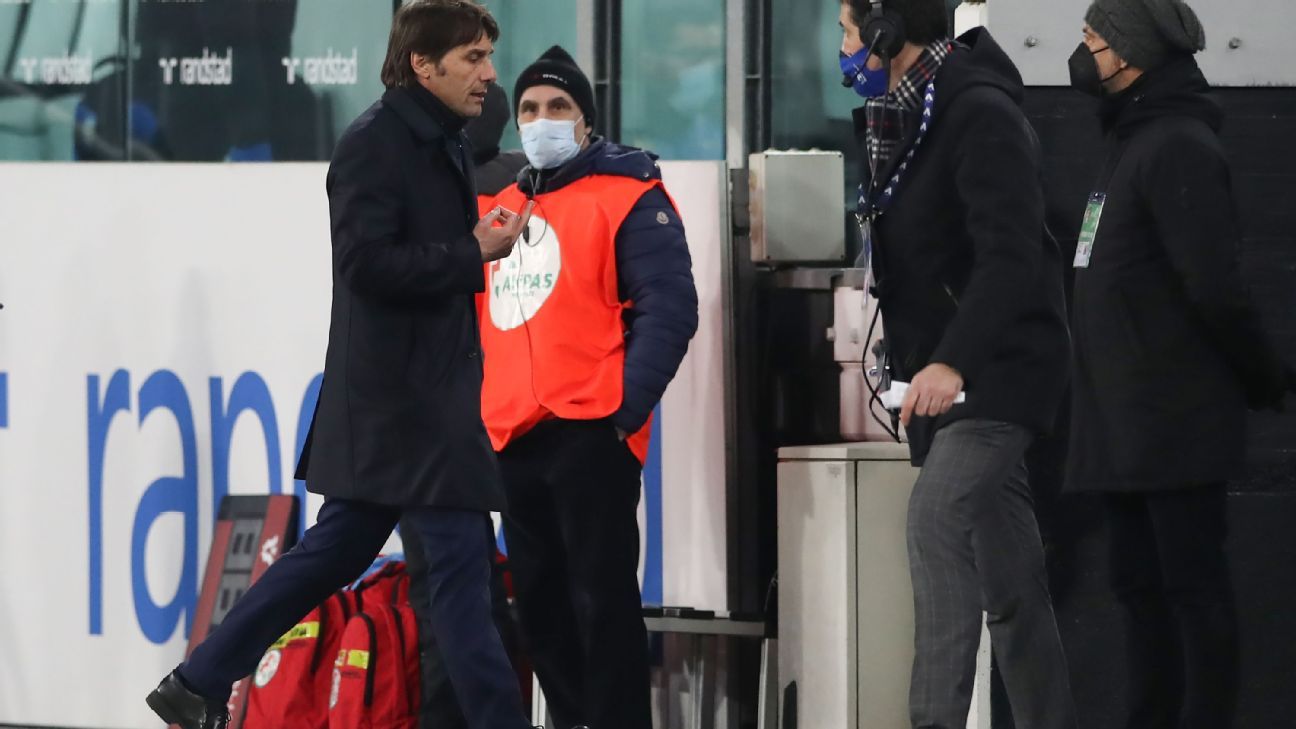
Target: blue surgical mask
549	143
867	83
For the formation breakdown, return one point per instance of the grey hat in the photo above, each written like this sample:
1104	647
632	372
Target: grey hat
1146	33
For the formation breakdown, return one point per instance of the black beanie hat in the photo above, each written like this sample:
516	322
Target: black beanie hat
1147	33
557	68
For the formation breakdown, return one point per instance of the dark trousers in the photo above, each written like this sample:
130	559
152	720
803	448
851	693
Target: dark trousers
439	708
573	539
1170	574
974	545
333	553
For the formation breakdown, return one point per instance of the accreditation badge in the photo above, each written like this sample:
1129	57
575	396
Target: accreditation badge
1089	229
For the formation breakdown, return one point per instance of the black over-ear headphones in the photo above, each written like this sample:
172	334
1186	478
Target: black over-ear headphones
882	30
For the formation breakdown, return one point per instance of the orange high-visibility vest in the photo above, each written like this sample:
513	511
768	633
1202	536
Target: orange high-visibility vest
553	337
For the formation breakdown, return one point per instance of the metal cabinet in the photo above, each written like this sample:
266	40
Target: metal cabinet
845	600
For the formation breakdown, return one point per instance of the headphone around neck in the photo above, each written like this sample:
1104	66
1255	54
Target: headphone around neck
883	30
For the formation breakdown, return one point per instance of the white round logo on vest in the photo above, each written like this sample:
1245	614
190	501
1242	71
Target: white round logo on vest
269	666
521	284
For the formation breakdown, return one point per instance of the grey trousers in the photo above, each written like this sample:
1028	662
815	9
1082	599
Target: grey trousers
974	545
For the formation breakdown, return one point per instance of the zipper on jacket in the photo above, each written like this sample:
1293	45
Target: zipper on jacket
950	293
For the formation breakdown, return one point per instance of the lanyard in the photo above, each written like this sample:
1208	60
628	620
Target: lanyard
1116	152
1094	210
871	209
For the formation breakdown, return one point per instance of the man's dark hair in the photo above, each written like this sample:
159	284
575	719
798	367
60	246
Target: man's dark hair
925	21
432	28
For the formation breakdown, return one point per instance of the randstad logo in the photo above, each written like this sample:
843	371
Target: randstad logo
521	284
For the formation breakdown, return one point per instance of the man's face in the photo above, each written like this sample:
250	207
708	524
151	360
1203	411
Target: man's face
551	102
459	79
851	41
1110	65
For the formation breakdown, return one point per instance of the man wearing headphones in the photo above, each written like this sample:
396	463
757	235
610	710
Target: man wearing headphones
582	328
970	286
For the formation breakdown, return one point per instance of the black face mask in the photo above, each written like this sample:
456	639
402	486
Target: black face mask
1085	76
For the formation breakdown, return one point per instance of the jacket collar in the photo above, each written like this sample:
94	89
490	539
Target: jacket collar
423	113
432	123
1177	88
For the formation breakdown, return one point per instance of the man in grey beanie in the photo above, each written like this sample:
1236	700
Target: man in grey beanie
1147	33
1169	356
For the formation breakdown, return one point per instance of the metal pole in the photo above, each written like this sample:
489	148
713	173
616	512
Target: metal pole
736	83
585	35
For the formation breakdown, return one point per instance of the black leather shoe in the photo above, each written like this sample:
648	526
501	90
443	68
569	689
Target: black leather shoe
176	704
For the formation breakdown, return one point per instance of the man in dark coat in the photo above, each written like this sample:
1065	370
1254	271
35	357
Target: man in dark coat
398	426
970	286
584	325
1169	355
494	170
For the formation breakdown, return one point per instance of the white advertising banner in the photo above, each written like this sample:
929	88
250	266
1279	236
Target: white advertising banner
163	332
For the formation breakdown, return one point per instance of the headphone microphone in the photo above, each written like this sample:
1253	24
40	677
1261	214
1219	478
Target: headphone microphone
848	80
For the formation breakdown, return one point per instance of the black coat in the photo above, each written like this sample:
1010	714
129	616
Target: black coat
496	172
1169	352
967	273
399	415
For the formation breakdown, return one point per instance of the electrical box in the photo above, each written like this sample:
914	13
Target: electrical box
796	207
845	600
